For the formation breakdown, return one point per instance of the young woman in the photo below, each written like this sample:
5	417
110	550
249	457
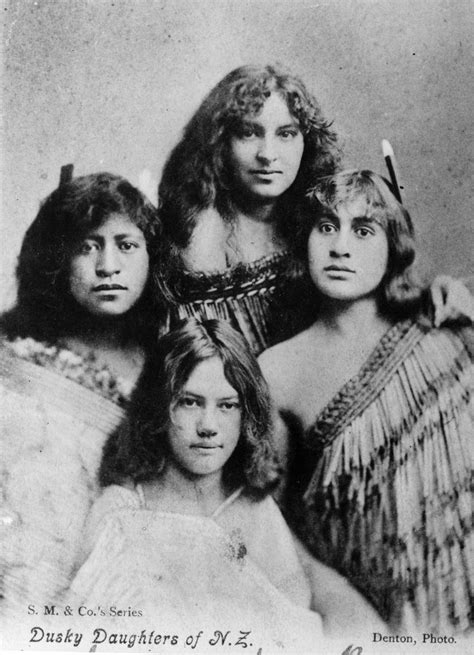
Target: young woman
71	351
380	413
186	526
231	198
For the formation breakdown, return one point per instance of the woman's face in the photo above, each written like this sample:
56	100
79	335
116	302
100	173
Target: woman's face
109	268
266	153
205	421
347	252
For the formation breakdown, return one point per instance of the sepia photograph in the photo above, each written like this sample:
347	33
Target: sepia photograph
236	327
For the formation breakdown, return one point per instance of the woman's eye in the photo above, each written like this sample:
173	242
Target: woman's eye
188	402
327	228
86	247
126	246
229	406
288	134
364	232
246	132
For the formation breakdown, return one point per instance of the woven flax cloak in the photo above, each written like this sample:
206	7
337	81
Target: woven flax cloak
388	489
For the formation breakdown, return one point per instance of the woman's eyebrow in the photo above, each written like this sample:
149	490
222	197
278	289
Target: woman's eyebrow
255	122
284	126
365	220
117	237
293	123
193	394
129	235
250	122
91	236
327	216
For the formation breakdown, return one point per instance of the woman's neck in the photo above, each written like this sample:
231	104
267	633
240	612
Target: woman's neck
256	209
351	320
217	244
181	492
255	232
105	340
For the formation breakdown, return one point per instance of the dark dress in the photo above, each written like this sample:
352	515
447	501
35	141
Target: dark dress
268	300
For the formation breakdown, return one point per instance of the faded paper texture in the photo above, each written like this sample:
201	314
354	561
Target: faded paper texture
109	85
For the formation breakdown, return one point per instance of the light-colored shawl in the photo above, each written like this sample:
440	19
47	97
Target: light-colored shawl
235	571
51	437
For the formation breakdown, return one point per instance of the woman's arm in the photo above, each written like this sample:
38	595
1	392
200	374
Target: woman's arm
344	611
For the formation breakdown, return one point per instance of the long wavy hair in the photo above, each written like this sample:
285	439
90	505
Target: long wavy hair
45	308
138	450
399	293
198	175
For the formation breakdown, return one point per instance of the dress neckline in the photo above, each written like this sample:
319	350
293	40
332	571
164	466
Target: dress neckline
275	269
272	259
228	501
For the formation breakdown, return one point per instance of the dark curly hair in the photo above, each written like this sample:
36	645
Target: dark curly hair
45	308
197	174
138	450
399	293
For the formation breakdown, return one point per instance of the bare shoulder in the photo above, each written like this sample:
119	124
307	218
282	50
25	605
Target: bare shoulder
206	249
280	364
283	354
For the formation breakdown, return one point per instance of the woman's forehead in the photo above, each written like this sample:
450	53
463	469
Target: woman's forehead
354	206
208	379
114	222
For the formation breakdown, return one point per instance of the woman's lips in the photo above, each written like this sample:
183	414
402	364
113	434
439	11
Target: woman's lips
339	269
200	446
109	287
263	171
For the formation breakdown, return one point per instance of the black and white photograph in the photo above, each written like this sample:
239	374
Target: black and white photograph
236	327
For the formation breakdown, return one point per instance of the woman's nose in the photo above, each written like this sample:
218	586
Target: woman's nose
340	244
108	262
267	149
207	424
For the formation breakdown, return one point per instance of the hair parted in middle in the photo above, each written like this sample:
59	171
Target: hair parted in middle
138	451
400	294
197	174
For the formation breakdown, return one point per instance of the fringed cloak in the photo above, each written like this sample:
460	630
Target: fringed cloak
389	502
267	300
